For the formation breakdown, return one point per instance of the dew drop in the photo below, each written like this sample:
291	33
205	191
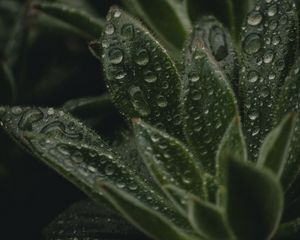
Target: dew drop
218	43
253	76
161	101
252	43
268	56
254	18
16	110
109	170
109	29
127	31
138	101
142	57
116	56
150	77
272	11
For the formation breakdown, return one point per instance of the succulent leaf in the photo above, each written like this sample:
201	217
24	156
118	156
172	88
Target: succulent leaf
140	215
141	77
208	103
233	143
254	201
219	43
231	12
274	151
208	220
88	220
83	21
288	231
289	101
76	152
269	44
169	157
168	11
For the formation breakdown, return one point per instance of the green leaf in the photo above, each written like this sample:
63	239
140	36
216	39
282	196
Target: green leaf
254	200
269	45
149	221
179	197
87	220
141	78
288	231
219	43
233	143
208	220
76	152
289	101
274	151
79	19
169	11
231	12
209	104
169	157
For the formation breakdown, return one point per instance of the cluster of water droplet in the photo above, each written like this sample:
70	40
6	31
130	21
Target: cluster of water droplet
266	44
208	105
141	77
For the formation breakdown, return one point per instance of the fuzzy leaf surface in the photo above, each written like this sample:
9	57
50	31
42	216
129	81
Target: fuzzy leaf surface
141	77
207	219
75	151
233	143
78	19
144	218
87	220
209	104
289	101
274	151
269	44
254	200
170	156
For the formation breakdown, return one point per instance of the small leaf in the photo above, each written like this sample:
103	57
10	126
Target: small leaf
209	104
141	77
219	43
170	157
149	221
76	152
208	220
168	12
274	151
288	231
269	45
79	19
289	101
87	220
254	200
233	143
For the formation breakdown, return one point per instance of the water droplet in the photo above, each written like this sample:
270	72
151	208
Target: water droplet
254	18
187	177
253	76
218	43
138	101
150	77
16	110
29	118
253	115
2	111
127	31
120	75
272	11
50	111
194	77
117	14
109	29
142	57
268	56
116	56
77	157
161	101
109	170
252	43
